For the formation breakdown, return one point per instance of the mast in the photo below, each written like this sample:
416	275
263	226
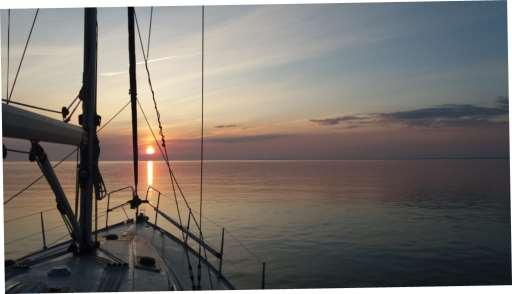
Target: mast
89	120
133	94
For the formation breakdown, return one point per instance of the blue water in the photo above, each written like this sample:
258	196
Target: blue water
324	223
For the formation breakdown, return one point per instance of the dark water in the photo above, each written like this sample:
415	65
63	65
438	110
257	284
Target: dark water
323	223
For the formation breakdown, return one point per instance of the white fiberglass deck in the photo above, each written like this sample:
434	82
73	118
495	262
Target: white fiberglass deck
115	266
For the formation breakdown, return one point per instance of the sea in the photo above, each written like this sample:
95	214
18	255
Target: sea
315	224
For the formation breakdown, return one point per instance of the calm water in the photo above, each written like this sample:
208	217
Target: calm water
322	223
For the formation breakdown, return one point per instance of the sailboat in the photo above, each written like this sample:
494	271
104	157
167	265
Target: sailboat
135	254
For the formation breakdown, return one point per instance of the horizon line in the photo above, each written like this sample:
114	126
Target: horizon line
276	159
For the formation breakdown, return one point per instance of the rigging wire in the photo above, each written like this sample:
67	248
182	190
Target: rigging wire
171	172
228	232
169	168
162	148
171	175
149	31
17	151
8	51
67	117
28	215
114	116
58	239
22	56
144	55
32	106
31	235
47	230
74	99
173	182
39	178
164	151
202	144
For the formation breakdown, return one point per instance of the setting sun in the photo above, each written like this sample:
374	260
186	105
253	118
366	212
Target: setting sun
150	150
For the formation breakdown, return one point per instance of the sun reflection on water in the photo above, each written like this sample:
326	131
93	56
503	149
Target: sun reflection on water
149	171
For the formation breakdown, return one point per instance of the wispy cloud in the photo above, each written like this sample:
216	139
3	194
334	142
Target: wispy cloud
113	73
340	119
247	139
154	60
226	126
451	114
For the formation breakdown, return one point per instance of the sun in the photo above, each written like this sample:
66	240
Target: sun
150	150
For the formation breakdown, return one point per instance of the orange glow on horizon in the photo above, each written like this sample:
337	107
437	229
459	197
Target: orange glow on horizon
150	150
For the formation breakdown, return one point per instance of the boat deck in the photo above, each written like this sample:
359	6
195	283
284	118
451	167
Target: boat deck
133	256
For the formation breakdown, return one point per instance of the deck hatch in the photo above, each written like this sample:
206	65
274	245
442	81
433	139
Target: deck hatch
147	263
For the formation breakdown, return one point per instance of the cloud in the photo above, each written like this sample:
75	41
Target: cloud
226	126
451	114
154	60
448	115
338	120
113	73
246	139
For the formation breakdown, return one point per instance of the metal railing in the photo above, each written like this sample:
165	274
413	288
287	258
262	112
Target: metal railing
43	231
108	209
201	239
189	235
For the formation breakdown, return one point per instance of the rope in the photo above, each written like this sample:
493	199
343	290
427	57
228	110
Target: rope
23	56
166	159
31	106
171	173
164	151
161	132
173	179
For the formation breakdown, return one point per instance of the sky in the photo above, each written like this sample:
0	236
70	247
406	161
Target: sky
322	81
